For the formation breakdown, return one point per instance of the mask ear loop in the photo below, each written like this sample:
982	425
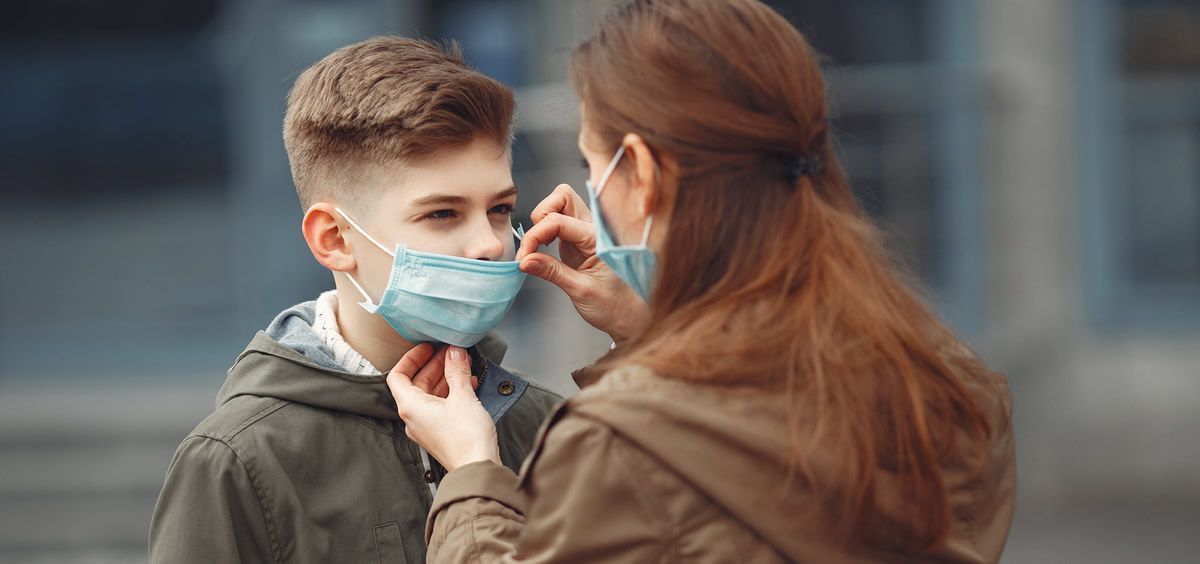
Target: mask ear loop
364	233
650	218
612	165
368	301
646	230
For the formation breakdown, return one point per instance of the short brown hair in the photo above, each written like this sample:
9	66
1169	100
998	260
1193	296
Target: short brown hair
387	99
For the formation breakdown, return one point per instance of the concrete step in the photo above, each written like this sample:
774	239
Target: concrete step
81	468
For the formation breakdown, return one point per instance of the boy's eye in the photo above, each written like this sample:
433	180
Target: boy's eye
504	209
441	214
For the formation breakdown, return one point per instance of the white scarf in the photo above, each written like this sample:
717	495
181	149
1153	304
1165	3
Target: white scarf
326	326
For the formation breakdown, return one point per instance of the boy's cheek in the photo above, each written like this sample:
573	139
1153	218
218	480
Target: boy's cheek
510	246
422	237
428	238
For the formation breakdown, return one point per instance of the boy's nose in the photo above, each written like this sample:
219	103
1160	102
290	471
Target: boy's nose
485	246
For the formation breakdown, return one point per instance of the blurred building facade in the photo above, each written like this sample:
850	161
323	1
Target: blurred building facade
1036	162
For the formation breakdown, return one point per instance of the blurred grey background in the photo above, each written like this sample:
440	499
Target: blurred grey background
1037	162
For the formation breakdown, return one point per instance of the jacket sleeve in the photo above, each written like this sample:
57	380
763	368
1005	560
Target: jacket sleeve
208	510
581	500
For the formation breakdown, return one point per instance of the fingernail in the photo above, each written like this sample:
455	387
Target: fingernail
456	353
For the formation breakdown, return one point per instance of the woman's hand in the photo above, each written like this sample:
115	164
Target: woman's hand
431	378
456	430
602	299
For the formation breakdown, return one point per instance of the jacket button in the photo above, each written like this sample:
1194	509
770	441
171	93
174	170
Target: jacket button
506	388
429	476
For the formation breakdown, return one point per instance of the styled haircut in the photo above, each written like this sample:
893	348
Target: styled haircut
382	101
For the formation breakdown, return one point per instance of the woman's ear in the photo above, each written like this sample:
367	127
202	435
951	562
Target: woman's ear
647	179
324	231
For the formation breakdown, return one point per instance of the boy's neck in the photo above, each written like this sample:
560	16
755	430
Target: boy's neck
368	334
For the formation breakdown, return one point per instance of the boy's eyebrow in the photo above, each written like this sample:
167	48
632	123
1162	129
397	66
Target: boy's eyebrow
452	200
439	199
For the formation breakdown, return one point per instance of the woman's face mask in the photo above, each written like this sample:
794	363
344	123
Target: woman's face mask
633	264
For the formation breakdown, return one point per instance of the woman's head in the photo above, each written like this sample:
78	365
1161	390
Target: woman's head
768	270
725	99
675	84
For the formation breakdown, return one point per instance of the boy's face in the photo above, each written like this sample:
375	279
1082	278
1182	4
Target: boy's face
456	202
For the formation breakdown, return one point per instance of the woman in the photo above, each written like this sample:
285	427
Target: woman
784	396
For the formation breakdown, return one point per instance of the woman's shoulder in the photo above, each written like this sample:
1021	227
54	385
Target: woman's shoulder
635	378
664	418
625	378
657	412
633	384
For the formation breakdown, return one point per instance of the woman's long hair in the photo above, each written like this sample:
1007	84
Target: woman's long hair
772	273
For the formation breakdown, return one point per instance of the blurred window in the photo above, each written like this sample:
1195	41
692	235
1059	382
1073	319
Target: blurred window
114	171
1140	121
496	34
103	100
905	108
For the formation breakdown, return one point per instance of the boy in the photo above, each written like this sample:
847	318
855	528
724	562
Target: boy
396	147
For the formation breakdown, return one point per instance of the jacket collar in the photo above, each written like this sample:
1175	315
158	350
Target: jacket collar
269	369
590	374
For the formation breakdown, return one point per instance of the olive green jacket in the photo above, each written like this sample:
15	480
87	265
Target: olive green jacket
304	463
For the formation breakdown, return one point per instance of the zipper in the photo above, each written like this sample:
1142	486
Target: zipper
483	369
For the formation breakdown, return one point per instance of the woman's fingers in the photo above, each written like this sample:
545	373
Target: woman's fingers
575	232
413	360
456	430
430	375
442	389
600	297
552	270
400	379
562	200
458	370
410	365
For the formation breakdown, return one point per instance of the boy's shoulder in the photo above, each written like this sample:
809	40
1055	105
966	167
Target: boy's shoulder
278	433
540	396
237	415
278	420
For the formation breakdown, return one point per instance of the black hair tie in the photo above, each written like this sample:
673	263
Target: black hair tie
806	165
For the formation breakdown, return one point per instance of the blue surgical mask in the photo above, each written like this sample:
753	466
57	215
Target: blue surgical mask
442	298
633	264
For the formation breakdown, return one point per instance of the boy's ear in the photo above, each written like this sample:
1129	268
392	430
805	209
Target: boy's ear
324	231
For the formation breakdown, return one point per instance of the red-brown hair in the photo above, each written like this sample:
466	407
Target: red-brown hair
386	100
767	278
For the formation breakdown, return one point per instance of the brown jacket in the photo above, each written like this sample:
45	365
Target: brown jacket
639	468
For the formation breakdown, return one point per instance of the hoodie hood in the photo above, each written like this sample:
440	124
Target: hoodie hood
721	438
288	361
651	414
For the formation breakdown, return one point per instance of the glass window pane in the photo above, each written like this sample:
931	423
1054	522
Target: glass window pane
1159	195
